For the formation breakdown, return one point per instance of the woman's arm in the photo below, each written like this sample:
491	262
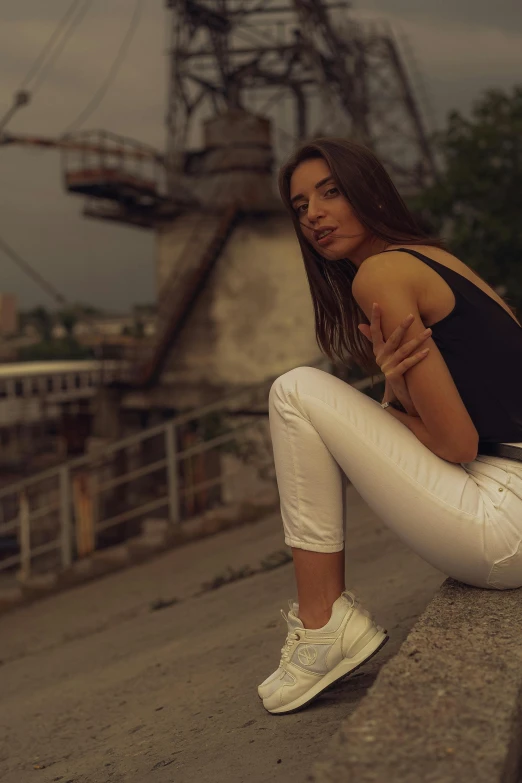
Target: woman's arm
414	423
444	423
406	402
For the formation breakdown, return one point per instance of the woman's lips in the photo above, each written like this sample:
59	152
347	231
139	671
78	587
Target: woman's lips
327	239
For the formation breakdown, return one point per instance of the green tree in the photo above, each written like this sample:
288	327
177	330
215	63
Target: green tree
55	350
42	320
476	202
68	319
138	329
83	309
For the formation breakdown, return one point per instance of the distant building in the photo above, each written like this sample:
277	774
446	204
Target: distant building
108	326
8	314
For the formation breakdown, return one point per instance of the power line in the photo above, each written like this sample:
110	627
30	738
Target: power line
22	96
113	71
74	23
35	67
32	273
48	287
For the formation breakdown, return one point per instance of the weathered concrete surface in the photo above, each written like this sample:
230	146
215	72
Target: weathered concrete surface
96	687
157	536
448	707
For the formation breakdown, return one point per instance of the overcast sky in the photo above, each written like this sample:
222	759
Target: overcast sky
462	47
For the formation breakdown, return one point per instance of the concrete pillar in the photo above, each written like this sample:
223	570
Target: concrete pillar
237	164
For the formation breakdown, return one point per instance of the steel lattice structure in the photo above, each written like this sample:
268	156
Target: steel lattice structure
338	75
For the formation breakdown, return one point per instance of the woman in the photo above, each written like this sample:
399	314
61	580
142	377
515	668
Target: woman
416	462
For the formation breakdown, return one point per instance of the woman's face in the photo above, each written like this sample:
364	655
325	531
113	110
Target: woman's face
319	206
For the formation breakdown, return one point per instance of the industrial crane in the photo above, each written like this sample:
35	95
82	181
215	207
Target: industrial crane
106	167
79	142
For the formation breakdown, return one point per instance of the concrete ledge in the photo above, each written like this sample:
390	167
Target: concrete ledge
158	536
448	707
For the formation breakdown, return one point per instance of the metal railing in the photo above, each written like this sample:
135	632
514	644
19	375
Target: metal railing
213	456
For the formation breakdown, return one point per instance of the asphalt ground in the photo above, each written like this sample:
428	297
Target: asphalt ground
150	674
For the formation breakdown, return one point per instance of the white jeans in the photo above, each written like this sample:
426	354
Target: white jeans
464	519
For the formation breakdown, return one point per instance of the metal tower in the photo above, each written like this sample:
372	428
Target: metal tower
338	76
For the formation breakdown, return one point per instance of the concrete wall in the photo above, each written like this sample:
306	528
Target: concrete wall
172	240
254	319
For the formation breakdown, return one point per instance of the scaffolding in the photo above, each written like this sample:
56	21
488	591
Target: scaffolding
340	76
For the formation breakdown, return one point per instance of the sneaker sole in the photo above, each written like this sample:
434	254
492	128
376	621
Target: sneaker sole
343	669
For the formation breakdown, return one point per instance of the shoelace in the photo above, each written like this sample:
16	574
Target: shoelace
291	639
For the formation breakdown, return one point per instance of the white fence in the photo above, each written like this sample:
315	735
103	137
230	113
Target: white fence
33	391
212	456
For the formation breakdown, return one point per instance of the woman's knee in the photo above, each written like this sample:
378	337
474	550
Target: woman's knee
292	381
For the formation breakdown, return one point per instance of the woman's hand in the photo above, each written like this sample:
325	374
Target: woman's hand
395	359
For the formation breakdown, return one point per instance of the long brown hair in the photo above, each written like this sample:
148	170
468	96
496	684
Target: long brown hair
364	182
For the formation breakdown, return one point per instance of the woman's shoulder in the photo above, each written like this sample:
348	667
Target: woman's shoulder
398	264
400	261
394	259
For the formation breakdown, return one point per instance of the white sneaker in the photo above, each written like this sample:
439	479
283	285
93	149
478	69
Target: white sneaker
312	660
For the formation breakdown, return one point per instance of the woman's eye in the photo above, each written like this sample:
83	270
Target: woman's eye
334	191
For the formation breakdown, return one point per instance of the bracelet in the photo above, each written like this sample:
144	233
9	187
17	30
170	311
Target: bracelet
394	404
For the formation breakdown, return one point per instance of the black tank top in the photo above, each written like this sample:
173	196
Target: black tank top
482	347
